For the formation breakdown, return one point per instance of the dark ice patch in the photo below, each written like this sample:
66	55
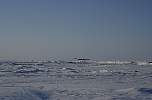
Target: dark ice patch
145	90
42	95
28	71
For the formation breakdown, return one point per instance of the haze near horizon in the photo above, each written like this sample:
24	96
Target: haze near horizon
99	29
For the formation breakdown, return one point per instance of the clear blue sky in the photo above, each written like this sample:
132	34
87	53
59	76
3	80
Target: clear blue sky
100	29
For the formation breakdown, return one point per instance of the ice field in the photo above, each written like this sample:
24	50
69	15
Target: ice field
75	81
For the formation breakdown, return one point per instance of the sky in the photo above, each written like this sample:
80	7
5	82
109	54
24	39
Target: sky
97	29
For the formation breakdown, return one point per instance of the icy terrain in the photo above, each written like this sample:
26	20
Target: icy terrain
74	81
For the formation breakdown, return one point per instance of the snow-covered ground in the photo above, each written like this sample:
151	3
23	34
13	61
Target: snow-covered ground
74	81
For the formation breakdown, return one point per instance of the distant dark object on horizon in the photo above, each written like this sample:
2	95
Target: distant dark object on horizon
82	59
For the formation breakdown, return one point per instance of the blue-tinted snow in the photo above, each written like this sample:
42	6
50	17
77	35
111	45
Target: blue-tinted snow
72	81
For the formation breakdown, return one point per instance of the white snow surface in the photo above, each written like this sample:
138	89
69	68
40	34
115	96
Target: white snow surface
66	81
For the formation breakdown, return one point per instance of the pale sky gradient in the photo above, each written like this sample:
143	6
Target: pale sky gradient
98	29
